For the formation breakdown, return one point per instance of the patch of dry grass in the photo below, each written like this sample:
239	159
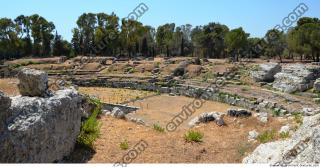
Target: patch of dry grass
112	95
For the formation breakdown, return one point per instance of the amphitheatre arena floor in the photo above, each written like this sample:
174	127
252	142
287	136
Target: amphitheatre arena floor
166	147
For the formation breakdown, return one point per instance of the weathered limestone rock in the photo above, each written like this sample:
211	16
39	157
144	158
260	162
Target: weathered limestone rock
207	117
266	72
253	135
41	129
316	85
303	147
5	103
284	129
238	113
33	82
118	113
263	117
310	111
296	77
181	69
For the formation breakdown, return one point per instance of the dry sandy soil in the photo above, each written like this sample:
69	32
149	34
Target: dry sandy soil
161	109
9	86
226	144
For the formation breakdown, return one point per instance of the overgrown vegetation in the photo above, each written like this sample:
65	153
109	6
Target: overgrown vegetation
158	128
193	136
90	128
266	136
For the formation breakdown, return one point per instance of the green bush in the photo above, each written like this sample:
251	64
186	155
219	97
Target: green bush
158	128
90	129
276	112
193	136
266	136
124	145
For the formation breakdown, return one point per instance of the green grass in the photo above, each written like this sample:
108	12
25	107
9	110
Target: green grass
124	145
284	135
90	129
266	136
193	136
158	128
298	118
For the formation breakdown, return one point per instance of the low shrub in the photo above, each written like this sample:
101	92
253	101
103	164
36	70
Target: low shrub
90	128
193	136
124	145
158	128
266	136
276	112
284	135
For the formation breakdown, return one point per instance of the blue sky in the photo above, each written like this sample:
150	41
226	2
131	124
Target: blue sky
255	16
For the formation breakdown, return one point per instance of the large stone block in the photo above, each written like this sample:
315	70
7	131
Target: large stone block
33	82
266	72
41	129
316	85
295	77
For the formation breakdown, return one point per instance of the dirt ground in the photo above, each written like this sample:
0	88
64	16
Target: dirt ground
170	147
161	109
9	86
226	144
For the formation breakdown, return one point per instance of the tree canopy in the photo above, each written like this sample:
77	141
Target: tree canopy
101	34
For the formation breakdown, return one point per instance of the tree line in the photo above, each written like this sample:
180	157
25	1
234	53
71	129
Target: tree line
102	34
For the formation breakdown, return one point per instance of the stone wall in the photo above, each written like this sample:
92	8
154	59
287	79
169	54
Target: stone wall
185	90
126	109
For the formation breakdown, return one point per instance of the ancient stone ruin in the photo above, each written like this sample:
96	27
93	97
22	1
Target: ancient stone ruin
303	147
266	72
38	127
297	77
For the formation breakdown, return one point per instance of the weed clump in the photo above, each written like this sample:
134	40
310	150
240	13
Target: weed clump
266	136
193	136
124	145
158	128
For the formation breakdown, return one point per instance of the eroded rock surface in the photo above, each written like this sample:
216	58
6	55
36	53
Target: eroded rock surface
296	77
266	72
33	82
303	147
238	113
316	85
207	117
41	129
